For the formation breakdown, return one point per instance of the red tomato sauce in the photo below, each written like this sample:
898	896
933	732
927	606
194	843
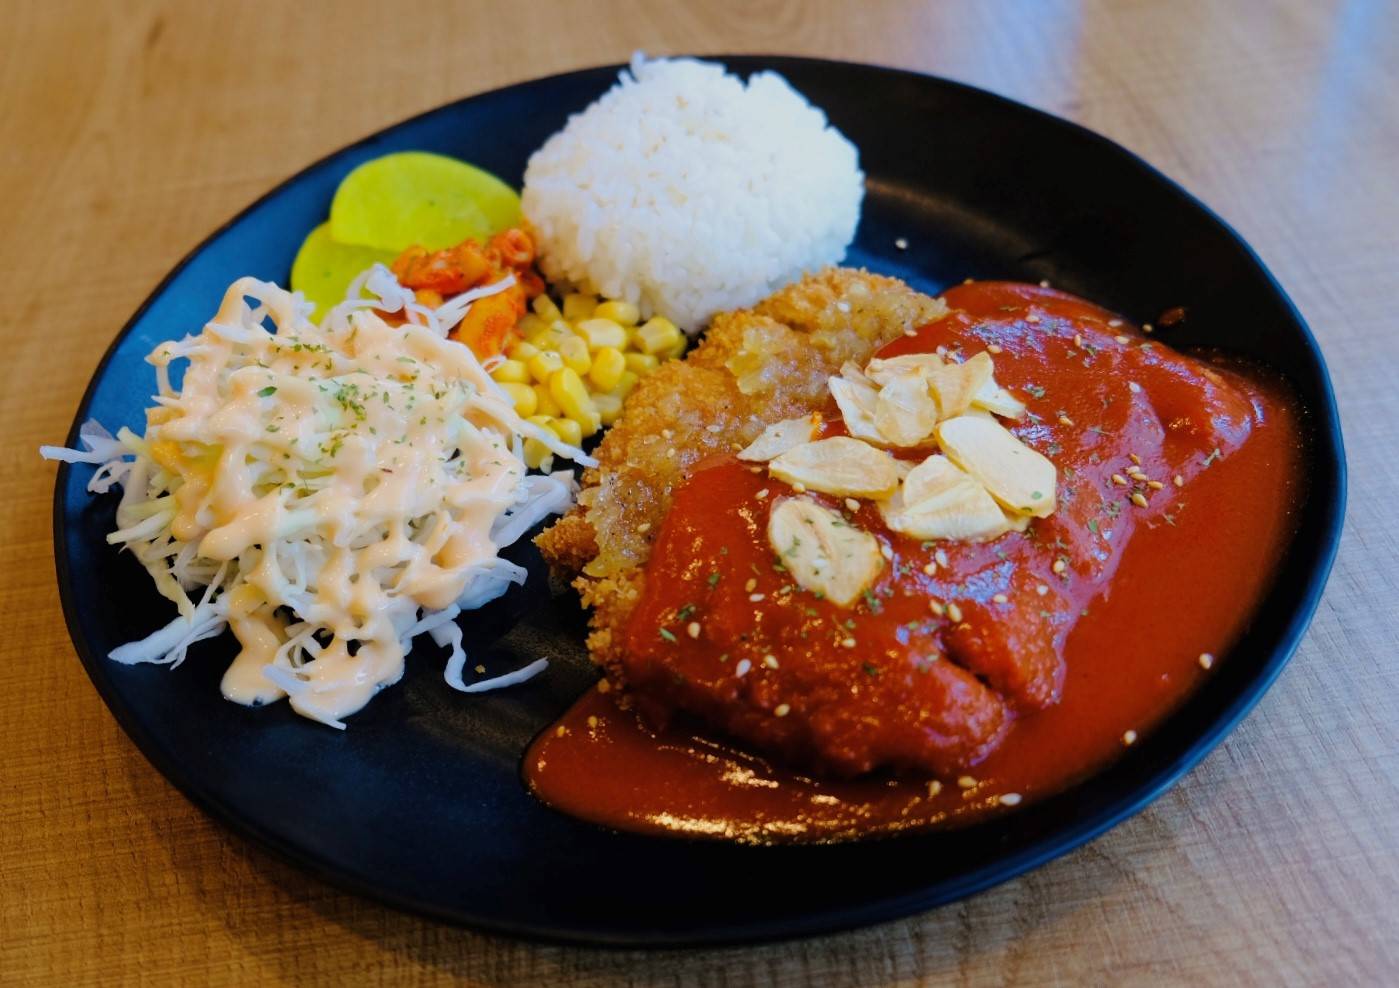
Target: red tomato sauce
1067	641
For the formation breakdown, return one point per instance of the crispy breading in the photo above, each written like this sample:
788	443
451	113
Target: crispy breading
754	367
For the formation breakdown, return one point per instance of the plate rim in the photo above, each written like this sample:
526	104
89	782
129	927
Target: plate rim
1328	451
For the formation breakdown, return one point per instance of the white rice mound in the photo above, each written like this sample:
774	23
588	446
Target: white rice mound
686	192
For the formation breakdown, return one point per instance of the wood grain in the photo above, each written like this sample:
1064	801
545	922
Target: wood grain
129	130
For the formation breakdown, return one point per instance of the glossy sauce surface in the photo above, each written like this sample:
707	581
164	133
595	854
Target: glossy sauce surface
1087	627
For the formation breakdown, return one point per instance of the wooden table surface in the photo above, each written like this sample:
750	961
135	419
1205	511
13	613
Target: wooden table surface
129	130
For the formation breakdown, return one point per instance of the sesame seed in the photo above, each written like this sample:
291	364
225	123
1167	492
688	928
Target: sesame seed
604	686
1130	737
1139	499
967	281
670	453
994	348
715	428
955	613
1032	319
643	528
934	787
560	731
852	504
1134	387
901	243
910	332
936	607
755	598
1010	799
782	709
1044	283
930	568
886	552
1147	327
693	629
742	668
1119	480
966	782
847	642
1000	598
1059	566
770	661
1206	660
755	469
1135	458
751	585
1078	340
1065	420
667	434
1042	589
762	494
592	722
940	557
480	669
1178	480
1114	323
1155	485
799	487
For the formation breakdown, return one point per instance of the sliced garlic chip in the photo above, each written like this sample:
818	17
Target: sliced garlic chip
994	398
1018	477
840	465
965	514
856	400
904	411
823	552
1017	523
779	437
935	475
955	385
882	370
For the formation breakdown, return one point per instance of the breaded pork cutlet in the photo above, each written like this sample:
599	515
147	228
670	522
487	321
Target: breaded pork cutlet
753	367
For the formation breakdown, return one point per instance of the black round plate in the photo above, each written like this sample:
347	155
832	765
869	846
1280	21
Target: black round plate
420	802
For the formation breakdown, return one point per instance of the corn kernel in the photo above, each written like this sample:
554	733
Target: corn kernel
601	332
537	455
641	364
609	407
619	312
574	352
624	386
521	350
544	364
659	335
568	430
522	396
511	371
530	324
568	390
578	306
546	405
607	369
545	308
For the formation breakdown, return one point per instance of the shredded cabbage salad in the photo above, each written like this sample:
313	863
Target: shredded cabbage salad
329	492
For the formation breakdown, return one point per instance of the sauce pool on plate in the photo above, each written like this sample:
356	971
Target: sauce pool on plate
1177	482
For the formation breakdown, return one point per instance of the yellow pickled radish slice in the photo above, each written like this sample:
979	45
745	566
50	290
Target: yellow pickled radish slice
323	269
413	197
